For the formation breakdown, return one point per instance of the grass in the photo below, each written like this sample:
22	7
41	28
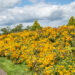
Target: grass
13	69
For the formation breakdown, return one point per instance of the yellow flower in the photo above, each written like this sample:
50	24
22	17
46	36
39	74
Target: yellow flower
35	73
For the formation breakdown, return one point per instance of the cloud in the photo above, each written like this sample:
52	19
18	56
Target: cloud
46	14
27	13
8	4
36	1
33	1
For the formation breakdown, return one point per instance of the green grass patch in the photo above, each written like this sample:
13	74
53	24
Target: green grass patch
13	69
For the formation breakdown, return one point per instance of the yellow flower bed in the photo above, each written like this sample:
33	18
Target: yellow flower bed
47	51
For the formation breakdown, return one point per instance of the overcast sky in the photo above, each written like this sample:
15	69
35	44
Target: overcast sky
48	12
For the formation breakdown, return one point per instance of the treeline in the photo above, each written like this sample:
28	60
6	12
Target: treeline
19	28
35	26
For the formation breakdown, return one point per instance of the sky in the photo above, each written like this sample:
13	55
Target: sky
52	13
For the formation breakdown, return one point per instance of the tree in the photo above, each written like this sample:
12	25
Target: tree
36	26
18	28
5	30
28	28
71	21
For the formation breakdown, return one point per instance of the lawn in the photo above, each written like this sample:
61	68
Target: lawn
13	69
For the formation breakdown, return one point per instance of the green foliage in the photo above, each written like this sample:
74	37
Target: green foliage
36	26
71	21
28	28
5	30
18	28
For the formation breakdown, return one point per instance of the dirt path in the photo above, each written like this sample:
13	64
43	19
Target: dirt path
2	72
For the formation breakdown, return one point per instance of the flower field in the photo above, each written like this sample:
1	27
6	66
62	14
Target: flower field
48	51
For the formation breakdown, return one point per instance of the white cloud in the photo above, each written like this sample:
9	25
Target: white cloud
33	1
8	3
36	1
46	14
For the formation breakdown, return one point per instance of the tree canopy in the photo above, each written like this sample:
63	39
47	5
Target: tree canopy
36	26
18	28
71	21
